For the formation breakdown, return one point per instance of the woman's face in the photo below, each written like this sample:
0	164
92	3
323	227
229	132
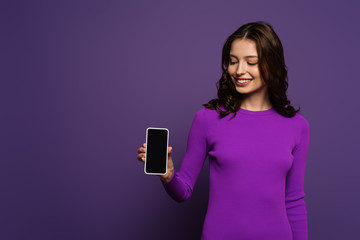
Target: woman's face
244	68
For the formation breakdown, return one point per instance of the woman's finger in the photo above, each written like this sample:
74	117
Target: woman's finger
141	157
141	150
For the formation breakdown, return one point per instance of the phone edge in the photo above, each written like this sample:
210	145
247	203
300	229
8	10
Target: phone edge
167	150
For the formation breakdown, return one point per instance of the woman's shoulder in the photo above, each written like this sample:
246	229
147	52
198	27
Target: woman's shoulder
207	112
300	122
301	119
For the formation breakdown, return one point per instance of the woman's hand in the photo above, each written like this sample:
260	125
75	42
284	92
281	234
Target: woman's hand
170	166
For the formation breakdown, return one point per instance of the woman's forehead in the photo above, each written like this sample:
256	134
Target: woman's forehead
243	48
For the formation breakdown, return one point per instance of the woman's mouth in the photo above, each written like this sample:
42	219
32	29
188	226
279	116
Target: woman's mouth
242	81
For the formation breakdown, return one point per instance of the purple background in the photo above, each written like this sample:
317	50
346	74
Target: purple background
82	80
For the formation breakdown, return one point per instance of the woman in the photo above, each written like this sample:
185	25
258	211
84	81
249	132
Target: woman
257	156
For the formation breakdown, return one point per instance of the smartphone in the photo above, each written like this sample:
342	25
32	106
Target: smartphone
156	156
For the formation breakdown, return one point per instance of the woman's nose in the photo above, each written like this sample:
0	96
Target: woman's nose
241	69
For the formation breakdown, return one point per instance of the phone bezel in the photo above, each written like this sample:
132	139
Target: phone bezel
167	147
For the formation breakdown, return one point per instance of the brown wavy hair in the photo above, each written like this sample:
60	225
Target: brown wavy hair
271	65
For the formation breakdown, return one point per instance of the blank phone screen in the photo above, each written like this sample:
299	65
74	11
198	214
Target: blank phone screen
156	150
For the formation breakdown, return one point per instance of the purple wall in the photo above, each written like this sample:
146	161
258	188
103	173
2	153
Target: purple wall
82	80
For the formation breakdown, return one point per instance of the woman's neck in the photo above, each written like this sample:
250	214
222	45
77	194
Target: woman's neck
256	102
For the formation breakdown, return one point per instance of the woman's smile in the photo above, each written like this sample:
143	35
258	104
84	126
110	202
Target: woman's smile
244	68
242	83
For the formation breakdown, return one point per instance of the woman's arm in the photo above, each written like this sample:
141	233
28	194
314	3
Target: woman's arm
181	185
294	194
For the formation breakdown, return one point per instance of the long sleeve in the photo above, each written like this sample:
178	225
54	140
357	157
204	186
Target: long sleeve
294	193
180	187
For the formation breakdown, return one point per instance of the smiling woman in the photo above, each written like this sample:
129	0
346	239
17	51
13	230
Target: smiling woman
256	159
254	72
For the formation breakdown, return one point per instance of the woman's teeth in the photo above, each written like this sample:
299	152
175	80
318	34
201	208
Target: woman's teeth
243	81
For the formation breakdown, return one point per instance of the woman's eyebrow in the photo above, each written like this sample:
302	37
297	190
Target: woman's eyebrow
250	56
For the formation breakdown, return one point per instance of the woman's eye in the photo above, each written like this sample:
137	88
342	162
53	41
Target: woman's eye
232	63
252	64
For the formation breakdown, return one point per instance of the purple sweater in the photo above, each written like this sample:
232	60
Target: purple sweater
257	167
